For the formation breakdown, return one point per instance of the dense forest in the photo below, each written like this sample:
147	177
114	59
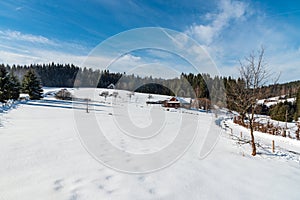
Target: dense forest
187	85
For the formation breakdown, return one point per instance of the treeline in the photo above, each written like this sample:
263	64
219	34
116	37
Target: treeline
282	111
69	75
289	89
187	85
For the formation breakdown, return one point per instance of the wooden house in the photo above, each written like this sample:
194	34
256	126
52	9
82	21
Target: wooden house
172	103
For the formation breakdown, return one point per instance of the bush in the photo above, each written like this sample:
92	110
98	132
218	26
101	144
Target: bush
63	94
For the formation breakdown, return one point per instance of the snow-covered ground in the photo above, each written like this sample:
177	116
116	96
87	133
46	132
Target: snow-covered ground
42	155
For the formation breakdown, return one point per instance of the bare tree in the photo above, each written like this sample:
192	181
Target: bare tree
245	92
104	94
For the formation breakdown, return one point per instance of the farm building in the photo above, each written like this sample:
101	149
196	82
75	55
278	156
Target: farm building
172	103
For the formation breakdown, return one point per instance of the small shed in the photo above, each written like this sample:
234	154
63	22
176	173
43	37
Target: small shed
111	86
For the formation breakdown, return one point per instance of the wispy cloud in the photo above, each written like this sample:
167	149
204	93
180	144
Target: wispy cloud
228	11
19	8
211	31
237	28
21	48
38	56
16	35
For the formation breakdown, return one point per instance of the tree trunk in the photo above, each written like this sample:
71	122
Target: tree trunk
252	141
251	122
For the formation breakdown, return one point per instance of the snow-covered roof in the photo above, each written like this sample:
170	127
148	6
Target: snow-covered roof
173	101
111	86
183	100
23	95
261	101
291	100
271	103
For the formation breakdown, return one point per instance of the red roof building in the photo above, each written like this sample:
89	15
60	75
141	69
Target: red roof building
172	103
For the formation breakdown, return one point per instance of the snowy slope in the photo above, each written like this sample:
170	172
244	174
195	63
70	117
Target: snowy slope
42	157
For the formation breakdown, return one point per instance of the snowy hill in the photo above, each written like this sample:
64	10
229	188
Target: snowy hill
275	100
43	155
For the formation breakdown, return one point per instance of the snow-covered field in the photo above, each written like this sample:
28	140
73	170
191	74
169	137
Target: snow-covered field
43	156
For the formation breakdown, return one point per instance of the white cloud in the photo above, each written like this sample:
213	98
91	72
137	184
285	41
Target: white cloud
18	8
228	10
237	29
16	35
38	56
24	49
130	58
7	57
15	48
125	63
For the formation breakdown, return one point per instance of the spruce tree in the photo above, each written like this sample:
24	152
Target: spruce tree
14	87
32	85
4	80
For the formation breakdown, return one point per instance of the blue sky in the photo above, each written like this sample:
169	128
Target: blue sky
33	31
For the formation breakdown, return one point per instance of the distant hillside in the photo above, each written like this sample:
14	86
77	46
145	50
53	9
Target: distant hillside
289	89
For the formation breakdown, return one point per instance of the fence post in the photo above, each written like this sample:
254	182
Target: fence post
273	146
87	105
241	135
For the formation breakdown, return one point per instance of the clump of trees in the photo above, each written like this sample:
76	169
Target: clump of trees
10	86
283	111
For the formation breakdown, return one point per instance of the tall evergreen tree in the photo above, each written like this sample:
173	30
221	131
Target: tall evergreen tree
32	85
14	87
4	80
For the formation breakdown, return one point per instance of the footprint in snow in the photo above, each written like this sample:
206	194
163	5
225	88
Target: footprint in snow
78	180
109	191
73	196
151	191
58	185
101	187
141	178
108	177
